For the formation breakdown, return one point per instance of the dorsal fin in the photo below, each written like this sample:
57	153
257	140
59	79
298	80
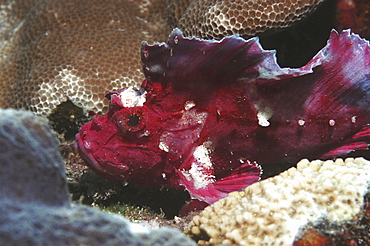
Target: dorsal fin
195	63
337	80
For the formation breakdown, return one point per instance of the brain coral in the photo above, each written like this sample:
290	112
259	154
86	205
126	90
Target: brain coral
52	50
272	211
35	208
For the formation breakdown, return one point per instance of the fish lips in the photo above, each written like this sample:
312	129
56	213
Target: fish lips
110	171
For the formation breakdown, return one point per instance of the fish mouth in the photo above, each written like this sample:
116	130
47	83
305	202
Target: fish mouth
109	171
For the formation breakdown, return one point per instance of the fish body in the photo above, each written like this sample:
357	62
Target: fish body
209	111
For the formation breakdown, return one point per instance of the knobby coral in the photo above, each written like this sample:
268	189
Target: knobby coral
54	50
35	208
272	211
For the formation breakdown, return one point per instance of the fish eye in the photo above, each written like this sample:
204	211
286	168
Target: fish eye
133	120
130	119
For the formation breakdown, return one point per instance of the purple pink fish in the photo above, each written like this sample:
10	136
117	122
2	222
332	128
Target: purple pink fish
209	111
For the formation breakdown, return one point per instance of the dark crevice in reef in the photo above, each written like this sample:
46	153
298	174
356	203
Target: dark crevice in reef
102	192
91	189
297	44
66	119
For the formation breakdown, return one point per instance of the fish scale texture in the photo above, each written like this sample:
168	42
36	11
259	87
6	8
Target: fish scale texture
35	208
52	50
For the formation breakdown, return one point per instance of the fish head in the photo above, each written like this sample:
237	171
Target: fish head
120	144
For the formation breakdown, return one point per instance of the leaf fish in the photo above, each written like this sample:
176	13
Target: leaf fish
209	111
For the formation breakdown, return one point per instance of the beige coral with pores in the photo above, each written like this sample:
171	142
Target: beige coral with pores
219	18
272	211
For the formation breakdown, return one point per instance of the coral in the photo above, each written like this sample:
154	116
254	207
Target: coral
35	207
76	50
354	232
219	18
55	50
272	211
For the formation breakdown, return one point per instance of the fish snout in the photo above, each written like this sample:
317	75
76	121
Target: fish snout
106	168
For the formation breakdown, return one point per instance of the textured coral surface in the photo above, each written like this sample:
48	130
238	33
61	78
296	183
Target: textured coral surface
219	18
270	212
52	50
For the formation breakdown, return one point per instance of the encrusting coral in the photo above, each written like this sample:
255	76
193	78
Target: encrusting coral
55	50
215	19
272	211
35	208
